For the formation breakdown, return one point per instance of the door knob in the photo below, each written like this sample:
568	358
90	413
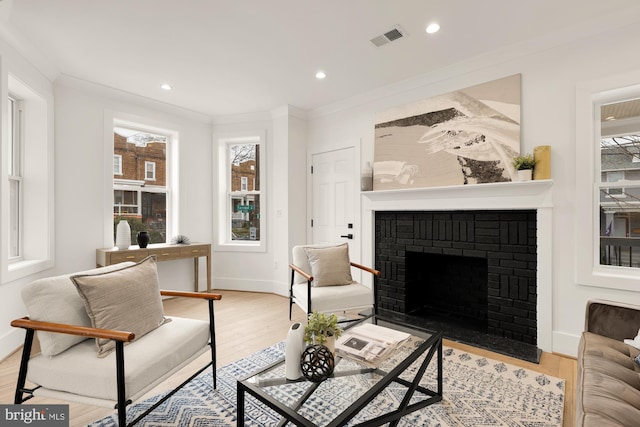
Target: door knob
348	236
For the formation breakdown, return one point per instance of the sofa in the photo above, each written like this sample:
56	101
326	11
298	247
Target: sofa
608	382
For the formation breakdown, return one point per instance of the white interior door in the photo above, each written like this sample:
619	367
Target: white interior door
334	198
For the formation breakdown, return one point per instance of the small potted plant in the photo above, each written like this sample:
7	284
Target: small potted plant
323	329
524	165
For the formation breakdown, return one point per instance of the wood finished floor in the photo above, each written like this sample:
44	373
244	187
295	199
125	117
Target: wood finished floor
247	322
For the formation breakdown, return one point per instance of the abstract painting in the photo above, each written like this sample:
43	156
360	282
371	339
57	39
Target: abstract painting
464	137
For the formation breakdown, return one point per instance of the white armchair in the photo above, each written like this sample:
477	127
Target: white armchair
104	339
321	280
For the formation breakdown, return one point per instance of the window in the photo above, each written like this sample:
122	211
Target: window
14	111
240	202
143	159
28	186
150	171
619	187
117	164
607	192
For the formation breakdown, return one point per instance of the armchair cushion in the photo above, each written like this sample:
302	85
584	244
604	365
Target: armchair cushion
56	300
79	372
127	300
330	266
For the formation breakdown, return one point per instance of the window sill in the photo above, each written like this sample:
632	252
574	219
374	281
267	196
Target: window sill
20	269
239	247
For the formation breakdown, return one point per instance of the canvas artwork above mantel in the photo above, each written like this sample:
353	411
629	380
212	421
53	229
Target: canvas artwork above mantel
463	137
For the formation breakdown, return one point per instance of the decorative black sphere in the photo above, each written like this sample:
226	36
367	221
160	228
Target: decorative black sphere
316	363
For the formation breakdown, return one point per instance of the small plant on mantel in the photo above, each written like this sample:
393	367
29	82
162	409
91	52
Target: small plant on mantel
320	326
523	162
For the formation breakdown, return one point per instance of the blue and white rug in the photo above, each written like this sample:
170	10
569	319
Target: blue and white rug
477	392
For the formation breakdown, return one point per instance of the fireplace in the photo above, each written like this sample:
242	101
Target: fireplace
469	273
429	292
532	196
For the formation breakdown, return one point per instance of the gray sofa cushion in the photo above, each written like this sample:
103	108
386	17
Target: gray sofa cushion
608	383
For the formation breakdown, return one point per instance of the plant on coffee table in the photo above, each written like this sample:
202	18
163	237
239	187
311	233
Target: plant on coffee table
321	326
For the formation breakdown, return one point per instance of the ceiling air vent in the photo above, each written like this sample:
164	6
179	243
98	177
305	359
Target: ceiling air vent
392	35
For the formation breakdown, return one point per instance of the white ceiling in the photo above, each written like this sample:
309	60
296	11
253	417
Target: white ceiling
241	56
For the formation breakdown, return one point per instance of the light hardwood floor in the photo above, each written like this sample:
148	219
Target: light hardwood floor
247	322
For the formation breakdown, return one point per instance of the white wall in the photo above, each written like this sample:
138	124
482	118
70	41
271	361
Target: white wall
549	80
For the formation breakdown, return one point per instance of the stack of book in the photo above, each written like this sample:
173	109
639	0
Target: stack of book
369	344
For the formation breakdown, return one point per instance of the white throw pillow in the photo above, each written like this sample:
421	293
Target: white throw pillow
330	266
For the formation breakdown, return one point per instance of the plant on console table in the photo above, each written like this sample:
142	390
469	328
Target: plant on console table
524	166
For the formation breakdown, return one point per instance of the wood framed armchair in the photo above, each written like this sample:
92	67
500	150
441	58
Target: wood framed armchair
321	280
90	355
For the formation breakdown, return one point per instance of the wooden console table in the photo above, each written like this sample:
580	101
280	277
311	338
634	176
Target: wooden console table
163	252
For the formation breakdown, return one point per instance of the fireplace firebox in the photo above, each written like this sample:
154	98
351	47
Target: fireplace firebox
473	273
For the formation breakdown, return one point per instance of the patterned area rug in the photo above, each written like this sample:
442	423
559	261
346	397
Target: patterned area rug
477	392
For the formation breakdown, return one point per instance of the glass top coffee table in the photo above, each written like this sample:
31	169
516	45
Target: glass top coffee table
355	393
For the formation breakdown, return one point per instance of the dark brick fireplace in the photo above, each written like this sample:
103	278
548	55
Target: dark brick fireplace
473	272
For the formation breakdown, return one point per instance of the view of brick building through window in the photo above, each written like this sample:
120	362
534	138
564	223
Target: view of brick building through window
139	182
245	191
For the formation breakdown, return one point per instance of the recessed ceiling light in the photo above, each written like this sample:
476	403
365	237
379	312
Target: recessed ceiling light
433	28
166	86
320	75
610	118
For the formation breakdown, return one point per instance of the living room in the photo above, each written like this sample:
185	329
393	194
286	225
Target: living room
562	72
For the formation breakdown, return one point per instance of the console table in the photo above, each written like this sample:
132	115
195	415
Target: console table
163	252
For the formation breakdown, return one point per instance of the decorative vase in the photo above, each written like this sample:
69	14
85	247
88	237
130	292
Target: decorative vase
123	235
143	239
293	350
542	156
525	174
366	177
317	363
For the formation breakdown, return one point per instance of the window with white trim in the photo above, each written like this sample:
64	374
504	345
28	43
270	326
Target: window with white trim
150	171
619	184
28	147
117	164
14	110
240	202
141	193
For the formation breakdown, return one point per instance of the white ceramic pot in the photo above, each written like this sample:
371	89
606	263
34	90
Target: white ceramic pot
123	235
525	174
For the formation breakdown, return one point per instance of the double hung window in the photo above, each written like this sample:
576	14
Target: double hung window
141	190
618	184
14	110
240	201
28	190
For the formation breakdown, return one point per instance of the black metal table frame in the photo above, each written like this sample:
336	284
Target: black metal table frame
433	344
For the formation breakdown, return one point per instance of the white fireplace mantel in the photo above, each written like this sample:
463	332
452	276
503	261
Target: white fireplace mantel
499	195
529	195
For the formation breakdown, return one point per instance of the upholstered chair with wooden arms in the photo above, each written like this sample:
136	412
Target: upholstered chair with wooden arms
321	280
104	339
